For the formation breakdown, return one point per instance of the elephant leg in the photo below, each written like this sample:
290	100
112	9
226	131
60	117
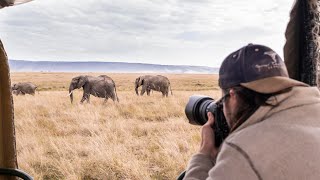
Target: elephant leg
105	100
85	97
88	98
113	97
143	90
148	90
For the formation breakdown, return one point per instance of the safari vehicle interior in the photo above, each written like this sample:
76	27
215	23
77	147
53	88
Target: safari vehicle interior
8	155
301	55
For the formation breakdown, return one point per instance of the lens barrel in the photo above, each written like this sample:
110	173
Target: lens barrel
196	109
196	112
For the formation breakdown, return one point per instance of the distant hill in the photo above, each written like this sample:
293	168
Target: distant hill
112	67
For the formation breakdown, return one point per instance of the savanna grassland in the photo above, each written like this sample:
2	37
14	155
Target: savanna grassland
141	137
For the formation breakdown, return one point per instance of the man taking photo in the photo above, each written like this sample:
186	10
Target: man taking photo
274	122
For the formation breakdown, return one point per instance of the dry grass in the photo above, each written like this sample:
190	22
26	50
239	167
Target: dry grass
137	138
124	82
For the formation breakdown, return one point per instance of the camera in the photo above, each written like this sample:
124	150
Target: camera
196	111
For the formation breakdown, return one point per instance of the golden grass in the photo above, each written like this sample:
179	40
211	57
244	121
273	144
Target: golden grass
144	137
124	82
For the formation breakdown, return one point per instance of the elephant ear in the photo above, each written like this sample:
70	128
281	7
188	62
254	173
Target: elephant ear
141	81
137	80
82	81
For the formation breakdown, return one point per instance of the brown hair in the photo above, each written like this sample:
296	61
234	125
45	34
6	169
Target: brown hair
249	102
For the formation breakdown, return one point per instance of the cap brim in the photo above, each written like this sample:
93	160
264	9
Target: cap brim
272	84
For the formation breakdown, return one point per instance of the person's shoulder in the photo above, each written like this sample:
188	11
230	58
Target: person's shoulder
249	135
307	91
282	130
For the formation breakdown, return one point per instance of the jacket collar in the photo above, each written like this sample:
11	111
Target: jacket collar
297	96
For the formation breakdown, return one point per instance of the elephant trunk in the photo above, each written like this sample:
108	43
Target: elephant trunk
71	93
137	89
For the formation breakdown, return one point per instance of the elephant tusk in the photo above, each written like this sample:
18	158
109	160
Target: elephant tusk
70	93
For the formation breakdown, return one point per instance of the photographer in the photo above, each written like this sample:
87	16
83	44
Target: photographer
274	122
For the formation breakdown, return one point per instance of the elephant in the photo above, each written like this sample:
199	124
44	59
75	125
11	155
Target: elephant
102	86
156	83
23	88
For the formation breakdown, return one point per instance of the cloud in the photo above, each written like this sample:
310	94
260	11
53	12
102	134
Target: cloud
193	32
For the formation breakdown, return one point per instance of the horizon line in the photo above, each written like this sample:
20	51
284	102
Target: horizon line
108	62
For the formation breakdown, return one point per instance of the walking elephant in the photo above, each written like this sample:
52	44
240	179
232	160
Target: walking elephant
102	86
151	82
23	88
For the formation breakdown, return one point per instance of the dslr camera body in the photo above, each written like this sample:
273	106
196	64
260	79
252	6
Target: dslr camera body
196	111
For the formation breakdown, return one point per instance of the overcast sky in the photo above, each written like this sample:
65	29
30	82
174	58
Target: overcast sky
180	32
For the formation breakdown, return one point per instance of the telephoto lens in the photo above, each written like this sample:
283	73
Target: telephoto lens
196	111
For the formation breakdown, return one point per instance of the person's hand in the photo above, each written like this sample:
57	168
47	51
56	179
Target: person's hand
207	138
